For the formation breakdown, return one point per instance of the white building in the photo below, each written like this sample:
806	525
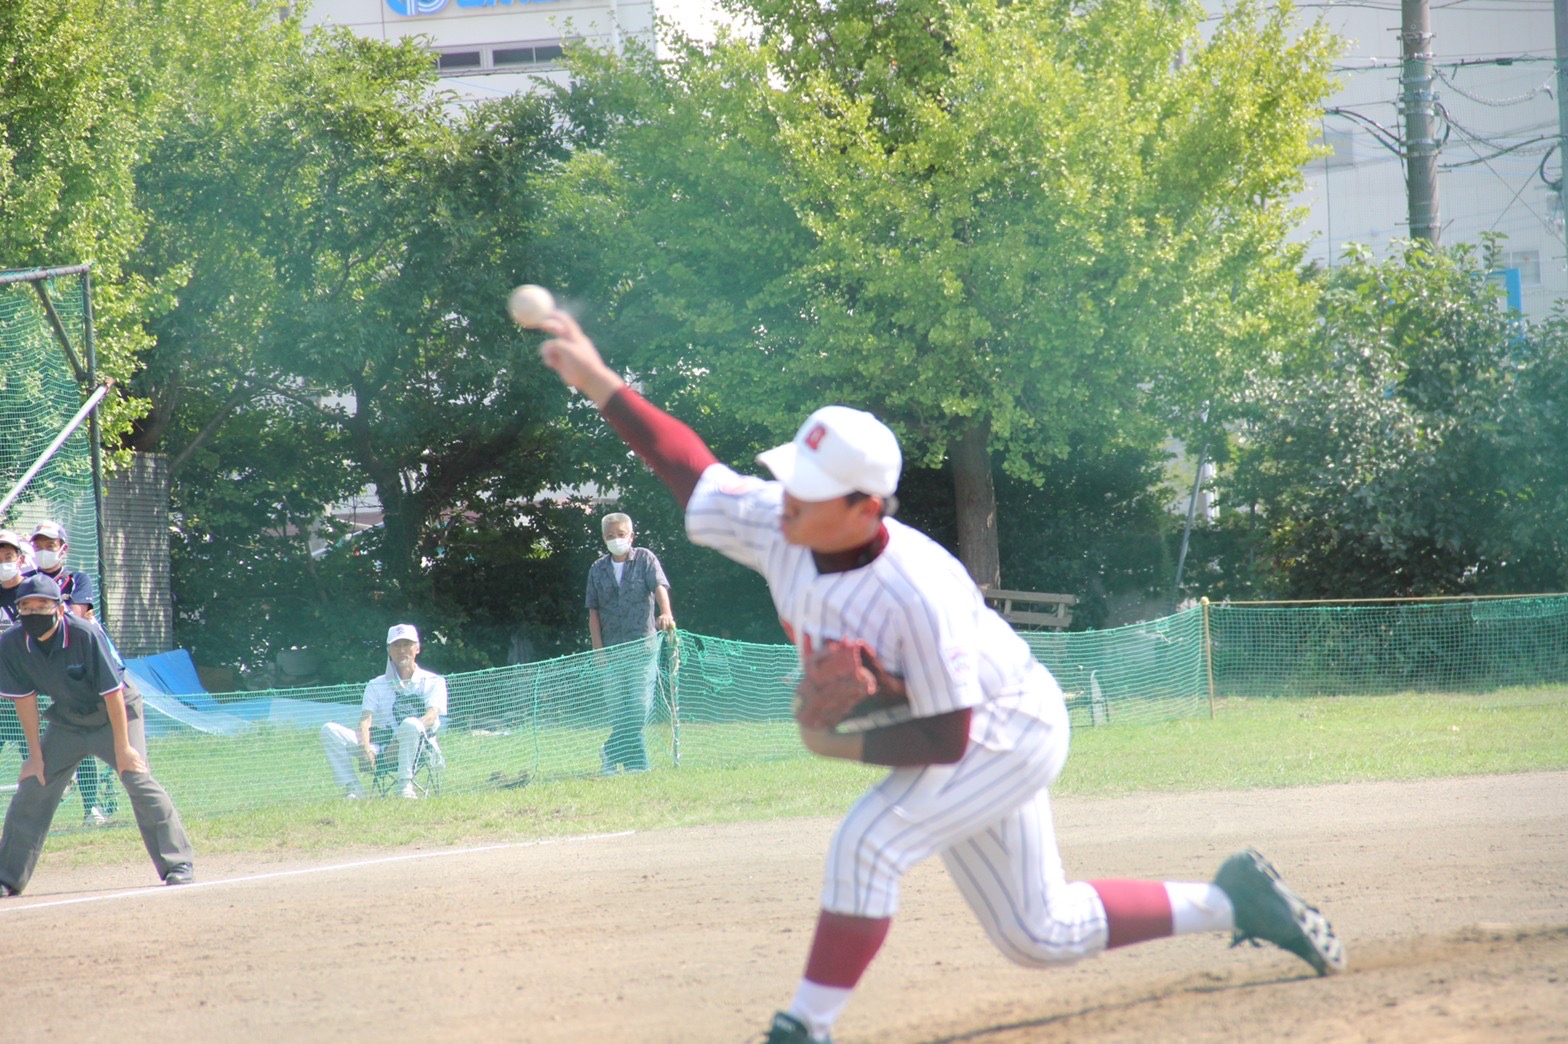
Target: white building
492	48
1497	120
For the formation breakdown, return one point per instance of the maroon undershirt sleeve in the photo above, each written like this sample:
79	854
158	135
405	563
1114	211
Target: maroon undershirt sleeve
674	452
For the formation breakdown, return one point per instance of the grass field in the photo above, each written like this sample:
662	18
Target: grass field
1251	743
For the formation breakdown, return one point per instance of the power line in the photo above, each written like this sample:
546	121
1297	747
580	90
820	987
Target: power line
1515	6
1389	139
1385	63
1501	150
1544	87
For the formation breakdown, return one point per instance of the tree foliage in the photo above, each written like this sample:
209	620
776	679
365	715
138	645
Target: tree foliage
1008	229
80	100
1417	449
341	242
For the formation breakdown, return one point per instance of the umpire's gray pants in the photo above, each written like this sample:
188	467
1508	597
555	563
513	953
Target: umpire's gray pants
33	806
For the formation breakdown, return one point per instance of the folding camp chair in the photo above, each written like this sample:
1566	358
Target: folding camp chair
428	765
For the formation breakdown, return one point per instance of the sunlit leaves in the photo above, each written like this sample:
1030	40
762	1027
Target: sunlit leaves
1408	453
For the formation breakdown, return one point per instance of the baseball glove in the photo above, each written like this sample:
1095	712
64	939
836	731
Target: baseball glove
842	680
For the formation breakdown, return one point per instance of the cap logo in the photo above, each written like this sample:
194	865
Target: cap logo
814	437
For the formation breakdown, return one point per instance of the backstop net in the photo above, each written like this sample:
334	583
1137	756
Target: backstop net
45	374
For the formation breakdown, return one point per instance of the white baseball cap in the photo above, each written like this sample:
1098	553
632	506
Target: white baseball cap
397	631
837	451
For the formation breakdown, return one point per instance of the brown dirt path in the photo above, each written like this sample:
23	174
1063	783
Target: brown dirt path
1452	896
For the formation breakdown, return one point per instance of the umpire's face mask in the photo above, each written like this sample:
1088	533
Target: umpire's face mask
39	624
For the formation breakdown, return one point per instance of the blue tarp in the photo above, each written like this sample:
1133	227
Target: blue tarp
173	673
174	699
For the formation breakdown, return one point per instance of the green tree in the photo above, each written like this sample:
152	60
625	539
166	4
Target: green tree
266	195
342	242
1416	449
80	98
1008	229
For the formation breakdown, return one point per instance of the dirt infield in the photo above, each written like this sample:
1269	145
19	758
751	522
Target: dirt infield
1452	897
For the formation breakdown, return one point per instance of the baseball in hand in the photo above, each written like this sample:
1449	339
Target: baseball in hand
529	304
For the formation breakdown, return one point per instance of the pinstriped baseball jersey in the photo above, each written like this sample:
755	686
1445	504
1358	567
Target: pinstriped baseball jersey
989	814
914	603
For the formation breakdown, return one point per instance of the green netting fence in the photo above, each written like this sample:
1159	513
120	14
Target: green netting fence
45	362
725	703
1440	645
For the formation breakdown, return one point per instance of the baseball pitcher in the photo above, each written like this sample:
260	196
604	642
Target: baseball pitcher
973	729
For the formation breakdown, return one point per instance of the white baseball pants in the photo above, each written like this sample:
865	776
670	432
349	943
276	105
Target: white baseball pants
989	816
341	744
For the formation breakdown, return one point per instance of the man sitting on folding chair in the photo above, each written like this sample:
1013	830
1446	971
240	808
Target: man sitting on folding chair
404	707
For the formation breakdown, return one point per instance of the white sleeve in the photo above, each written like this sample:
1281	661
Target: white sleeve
736	515
924	623
435	695
941	661
379	707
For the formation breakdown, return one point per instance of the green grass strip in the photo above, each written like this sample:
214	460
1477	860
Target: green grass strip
1251	743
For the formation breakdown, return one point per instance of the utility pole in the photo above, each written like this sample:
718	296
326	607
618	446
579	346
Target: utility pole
1560	20
1419	103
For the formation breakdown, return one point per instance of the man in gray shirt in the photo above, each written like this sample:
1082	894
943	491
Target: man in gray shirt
93	713
628	601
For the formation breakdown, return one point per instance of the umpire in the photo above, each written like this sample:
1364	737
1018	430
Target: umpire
92	712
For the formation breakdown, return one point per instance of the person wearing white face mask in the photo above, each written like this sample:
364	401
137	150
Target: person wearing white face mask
13	565
49	551
628	601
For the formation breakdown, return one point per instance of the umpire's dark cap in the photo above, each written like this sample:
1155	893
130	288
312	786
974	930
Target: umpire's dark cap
38	585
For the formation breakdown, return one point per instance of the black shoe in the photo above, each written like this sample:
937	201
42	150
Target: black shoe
182	874
1267	909
6	891
787	1029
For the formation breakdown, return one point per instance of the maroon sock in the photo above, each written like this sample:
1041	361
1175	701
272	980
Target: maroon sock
1135	911
843	948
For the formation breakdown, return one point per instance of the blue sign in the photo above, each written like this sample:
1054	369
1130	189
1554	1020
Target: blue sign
416	7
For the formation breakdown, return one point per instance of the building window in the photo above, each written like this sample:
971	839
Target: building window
510	57
505	56
459	61
1528	262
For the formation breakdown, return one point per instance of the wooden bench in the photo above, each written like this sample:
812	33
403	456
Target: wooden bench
1032	608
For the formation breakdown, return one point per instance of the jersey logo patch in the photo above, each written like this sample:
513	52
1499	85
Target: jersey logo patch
960	662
